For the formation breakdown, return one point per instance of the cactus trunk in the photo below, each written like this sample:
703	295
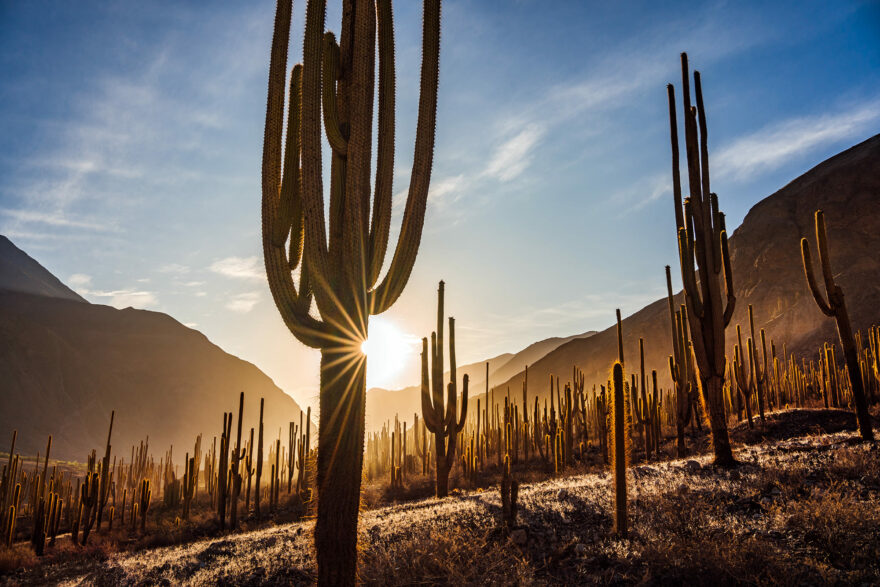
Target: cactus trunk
340	463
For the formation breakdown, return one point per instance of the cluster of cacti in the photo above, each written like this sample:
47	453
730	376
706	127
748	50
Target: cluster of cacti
645	407
51	501
681	368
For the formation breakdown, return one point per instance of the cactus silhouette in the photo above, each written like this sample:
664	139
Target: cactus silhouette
441	420
835	307
341	274
702	237
620	447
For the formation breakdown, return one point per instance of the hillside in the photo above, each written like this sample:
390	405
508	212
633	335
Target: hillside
65	364
19	272
800	510
383	404
767	271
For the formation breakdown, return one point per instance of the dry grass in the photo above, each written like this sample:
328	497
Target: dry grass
804	510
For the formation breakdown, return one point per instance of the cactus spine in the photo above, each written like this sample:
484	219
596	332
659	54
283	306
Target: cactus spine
342	275
441	421
702	237
835	307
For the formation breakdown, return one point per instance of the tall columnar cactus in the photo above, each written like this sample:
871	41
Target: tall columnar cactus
106	478
620	427
342	275
758	364
439	419
704	256
835	307
681	367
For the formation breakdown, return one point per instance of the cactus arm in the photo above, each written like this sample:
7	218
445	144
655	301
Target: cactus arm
357	189
279	204
686	257
452	387
811	279
429	414
312	182
387	292
329	75
464	404
676	166
381	223
728	278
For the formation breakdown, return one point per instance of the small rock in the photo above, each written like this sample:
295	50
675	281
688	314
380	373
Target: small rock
519	537
561	494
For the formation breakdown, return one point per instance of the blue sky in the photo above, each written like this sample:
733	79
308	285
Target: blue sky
131	144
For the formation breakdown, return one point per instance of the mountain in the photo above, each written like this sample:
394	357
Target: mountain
19	272
66	363
767	273
383	404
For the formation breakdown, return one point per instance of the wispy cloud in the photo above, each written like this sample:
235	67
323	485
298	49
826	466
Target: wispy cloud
122	298
513	156
54	219
243	303
446	191
239	268
775	145
174	268
79	280
644	191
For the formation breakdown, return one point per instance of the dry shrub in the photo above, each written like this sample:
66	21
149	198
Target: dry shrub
841	528
453	557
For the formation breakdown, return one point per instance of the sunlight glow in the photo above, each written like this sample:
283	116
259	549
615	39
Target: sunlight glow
388	350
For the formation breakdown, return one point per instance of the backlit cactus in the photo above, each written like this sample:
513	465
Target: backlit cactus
620	434
704	257
442	418
341	274
835	307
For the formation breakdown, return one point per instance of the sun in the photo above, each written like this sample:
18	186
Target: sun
388	352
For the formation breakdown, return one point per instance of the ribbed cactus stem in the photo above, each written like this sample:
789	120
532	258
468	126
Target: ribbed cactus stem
340	269
619	452
442	420
704	259
835	307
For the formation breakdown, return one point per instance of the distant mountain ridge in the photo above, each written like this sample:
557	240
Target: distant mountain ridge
383	404
66	363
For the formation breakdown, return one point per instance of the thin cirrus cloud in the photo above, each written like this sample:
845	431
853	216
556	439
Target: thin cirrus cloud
247	268
118	298
513	156
775	145
243	303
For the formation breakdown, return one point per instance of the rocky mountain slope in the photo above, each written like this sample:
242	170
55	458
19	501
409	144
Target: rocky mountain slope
768	273
65	364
